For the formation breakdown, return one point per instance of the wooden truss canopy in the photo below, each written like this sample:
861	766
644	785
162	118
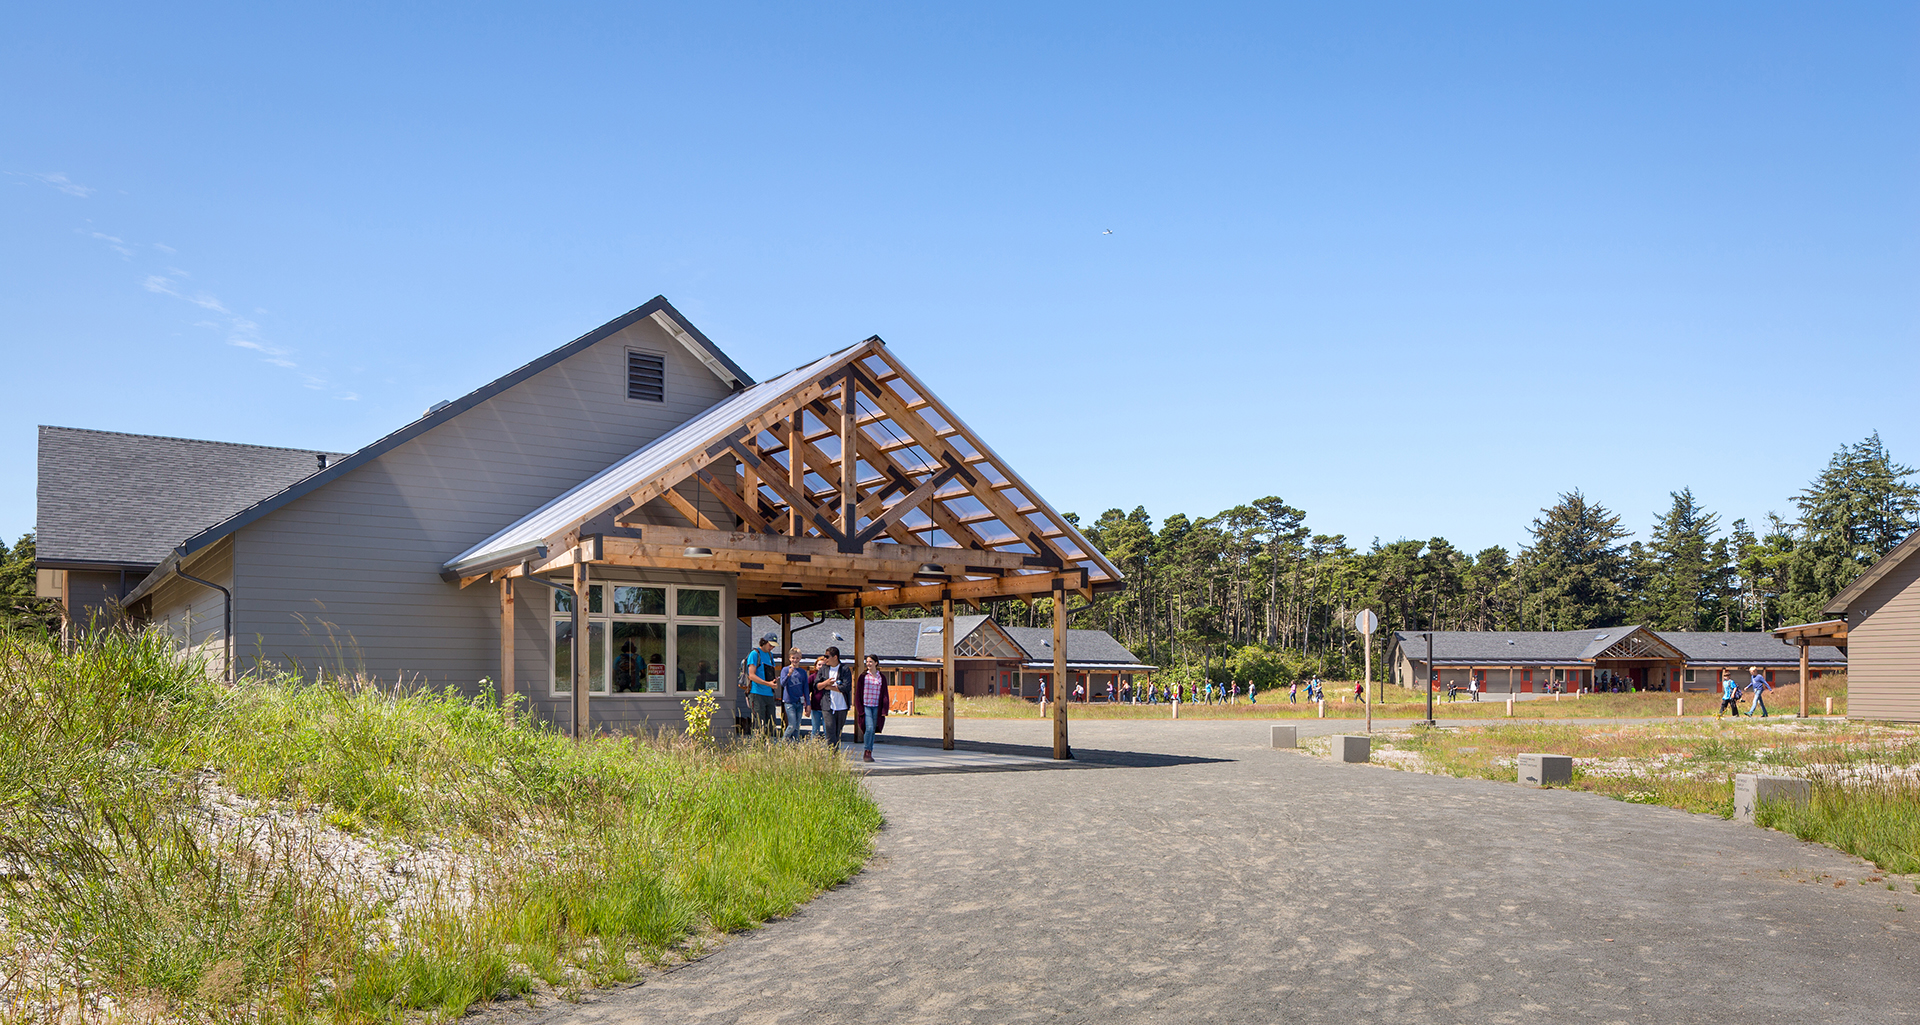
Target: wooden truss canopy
853	487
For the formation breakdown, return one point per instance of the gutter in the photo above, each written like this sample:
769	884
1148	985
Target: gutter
227	623
452	573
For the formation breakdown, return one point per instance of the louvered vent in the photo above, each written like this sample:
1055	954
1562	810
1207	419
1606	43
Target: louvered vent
646	377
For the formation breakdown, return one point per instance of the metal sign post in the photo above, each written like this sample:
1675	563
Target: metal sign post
1366	622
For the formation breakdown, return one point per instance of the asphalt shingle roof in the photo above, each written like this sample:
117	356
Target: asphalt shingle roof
128	499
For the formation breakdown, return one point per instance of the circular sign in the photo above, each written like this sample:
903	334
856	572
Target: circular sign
1366	622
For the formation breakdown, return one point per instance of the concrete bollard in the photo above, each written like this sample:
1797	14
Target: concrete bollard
1323	707
1543	770
1286	736
1509	708
1176	709
1679	707
1829	706
1751	789
1350	748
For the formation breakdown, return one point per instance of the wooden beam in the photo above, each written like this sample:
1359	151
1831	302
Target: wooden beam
797	499
1803	677
937	447
942	517
923	493
748	513
856	571
946	674
1106	567
859	673
955	561
1061	693
849	462
716	448
506	648
1020	585
796	475
868	504
688	509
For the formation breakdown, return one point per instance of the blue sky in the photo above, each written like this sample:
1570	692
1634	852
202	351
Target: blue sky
1414	268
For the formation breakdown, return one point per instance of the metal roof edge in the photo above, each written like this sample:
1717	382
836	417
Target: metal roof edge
434	419
89	565
741	379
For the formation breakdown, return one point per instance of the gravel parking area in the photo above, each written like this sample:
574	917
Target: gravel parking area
1189	873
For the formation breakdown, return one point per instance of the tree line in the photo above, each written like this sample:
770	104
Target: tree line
1253	592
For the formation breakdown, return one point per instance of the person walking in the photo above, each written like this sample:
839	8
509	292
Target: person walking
1729	694
831	687
796	688
1760	687
762	670
1293	693
1473	687
870	696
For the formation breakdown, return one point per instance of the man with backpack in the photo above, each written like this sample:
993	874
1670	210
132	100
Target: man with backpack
1729	694
761	669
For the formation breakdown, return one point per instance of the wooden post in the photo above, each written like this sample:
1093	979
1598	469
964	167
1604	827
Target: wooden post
506	647
796	478
581	652
859	672
1803	676
849	457
946	674
1061	750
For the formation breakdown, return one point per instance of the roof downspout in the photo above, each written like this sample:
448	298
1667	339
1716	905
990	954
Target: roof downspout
227	618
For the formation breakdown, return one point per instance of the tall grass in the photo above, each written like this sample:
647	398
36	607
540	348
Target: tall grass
278	851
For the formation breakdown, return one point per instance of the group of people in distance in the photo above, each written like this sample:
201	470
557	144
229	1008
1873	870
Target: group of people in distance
825	692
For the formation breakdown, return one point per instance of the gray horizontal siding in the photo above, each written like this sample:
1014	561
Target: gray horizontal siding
1883	648
361	556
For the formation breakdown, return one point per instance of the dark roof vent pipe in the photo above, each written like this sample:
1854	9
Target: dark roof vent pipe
322	457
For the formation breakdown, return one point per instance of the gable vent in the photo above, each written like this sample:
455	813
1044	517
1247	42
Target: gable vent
646	377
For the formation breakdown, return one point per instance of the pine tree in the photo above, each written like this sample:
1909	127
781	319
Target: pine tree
19	609
1576	566
1857	510
1683	573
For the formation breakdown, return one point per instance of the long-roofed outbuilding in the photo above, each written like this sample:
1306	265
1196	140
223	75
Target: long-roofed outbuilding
1632	658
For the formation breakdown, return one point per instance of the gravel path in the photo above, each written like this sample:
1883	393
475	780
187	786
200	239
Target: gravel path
1218	880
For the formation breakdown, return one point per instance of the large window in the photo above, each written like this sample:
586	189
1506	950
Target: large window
647	639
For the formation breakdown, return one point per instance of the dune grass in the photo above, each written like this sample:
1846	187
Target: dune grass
278	851
1865	776
1400	703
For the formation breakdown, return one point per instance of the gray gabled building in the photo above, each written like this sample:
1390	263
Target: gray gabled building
636	467
1631	658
